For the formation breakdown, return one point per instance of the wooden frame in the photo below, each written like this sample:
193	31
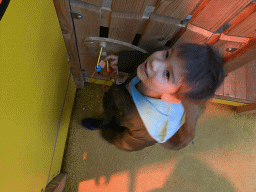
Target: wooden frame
66	24
246	51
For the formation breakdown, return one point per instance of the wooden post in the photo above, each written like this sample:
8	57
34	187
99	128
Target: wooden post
63	12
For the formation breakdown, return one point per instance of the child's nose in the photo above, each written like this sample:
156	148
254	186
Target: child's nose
157	64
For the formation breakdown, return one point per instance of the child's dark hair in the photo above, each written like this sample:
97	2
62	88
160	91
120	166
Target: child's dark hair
204	72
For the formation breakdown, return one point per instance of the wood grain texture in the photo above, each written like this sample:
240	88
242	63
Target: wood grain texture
241	82
240	60
194	34
66	25
240	25
229	85
251	83
220	90
222	46
247	28
218	12
129	5
250	108
105	17
159	30
177	8
245	48
89	25
124	25
94	2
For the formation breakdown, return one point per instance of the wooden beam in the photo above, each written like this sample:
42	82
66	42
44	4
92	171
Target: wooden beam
245	48
63	12
250	108
249	10
176	8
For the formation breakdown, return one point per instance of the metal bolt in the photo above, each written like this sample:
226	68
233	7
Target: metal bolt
231	49
68	59
42	190
79	17
85	79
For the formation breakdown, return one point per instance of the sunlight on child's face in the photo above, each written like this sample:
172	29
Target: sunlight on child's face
161	73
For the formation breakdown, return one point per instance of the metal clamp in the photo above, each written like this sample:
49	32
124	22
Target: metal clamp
76	15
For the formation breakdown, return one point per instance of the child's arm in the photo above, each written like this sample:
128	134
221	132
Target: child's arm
186	133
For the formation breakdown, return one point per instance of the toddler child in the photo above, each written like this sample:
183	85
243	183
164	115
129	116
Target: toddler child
158	103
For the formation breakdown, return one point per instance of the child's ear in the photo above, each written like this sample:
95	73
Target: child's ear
170	98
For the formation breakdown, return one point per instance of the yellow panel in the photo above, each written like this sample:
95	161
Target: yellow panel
227	102
34	74
63	130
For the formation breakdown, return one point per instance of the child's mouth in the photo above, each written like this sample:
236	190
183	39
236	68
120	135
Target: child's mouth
145	68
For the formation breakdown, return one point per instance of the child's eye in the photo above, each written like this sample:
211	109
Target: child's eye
167	54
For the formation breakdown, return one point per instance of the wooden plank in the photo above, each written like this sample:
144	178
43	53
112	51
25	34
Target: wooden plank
220	90
233	99
89	25
241	82
251	83
223	45
217	13
159	30
246	109
124	25
240	61
194	34
229	85
241	25
177	8
246	28
105	17
129	5
66	25
251	67
94	2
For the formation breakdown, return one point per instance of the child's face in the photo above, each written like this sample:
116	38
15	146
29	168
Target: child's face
160	73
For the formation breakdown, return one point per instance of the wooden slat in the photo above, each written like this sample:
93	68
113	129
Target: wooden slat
229	85
240	61
233	99
105	17
159	30
241	82
246	109
89	25
124	25
247	28
94	2
241	25
251	83
220	90
194	34
66	25
245	48
217	13
251	67
177	8
129	5
222	46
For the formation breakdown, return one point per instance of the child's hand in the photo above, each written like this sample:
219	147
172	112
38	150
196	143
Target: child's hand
114	60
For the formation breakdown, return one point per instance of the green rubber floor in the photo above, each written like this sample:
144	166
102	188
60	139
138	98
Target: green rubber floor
222	158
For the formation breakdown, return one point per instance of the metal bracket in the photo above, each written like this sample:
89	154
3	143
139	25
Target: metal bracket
76	15
223	28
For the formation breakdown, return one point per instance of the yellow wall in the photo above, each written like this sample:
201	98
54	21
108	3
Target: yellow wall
34	78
